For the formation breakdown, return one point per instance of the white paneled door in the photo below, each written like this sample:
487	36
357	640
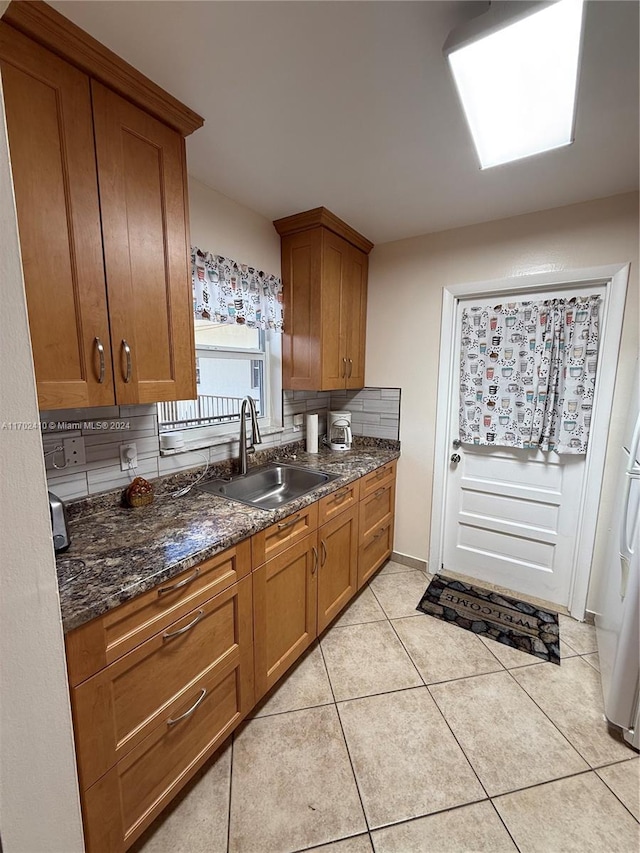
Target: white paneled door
512	516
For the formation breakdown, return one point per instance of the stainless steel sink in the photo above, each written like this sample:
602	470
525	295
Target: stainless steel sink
269	486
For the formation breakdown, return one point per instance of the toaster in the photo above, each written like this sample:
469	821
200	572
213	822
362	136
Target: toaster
58	512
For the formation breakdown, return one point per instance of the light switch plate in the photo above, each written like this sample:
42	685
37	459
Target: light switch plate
298	421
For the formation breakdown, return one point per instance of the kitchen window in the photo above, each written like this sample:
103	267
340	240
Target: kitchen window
232	362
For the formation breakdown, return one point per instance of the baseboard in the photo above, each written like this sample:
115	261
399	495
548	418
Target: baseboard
590	617
412	562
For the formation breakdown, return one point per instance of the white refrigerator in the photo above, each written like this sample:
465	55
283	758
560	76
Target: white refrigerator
617	603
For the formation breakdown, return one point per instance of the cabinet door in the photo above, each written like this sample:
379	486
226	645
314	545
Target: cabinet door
142	178
50	128
354	315
338	572
284	597
335	257
302	339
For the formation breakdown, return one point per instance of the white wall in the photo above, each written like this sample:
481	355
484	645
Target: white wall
227	228
403	323
39	805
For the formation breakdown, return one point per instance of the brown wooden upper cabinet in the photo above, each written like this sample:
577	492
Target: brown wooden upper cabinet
324	273
98	161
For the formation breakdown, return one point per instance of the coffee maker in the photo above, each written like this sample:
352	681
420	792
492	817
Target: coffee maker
339	430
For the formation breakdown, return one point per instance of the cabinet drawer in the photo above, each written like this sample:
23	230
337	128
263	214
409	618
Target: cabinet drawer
117	708
374	551
370	482
338	502
105	639
273	540
120	806
377	509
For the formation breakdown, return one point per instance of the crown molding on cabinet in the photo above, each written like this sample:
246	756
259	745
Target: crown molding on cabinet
321	216
43	24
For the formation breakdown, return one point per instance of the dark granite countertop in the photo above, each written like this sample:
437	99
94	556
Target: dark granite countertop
117	553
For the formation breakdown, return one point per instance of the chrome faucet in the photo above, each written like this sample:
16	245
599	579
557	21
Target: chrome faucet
256	438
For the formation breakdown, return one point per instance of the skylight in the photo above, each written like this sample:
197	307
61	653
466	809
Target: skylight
518	84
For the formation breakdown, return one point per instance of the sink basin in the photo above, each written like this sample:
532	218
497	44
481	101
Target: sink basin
269	486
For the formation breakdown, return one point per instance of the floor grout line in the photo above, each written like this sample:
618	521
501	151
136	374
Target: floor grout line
553	723
507	830
604	782
415	818
346	745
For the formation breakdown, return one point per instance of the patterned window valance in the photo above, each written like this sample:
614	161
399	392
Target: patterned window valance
225	291
528	373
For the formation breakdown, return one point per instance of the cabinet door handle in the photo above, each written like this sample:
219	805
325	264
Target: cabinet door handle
100	348
379	533
324	552
203	693
180	584
314	568
350	368
186	628
344	368
284	524
379	492
127	352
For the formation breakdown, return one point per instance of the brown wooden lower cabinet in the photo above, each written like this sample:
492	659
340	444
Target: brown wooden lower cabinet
338	571
158	683
144	724
374	550
119	807
284	610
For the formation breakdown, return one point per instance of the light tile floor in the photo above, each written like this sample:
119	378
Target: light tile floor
399	733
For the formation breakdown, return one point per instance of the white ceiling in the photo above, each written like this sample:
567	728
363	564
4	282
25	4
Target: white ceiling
350	105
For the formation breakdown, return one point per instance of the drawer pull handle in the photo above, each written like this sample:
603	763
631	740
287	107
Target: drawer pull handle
380	533
100	349
127	352
340	496
324	552
172	722
284	524
186	628
380	492
381	473
314	568
179	585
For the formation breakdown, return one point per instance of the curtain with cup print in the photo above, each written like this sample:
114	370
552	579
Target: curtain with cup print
227	292
527	373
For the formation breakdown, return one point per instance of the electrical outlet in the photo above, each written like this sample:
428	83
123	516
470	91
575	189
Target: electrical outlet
128	456
74	453
298	421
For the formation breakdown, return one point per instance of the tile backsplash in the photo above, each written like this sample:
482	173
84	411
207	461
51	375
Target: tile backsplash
375	413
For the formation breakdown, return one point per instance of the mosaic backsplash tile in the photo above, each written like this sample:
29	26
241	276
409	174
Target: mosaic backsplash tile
375	414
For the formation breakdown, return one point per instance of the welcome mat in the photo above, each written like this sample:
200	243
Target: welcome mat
509	621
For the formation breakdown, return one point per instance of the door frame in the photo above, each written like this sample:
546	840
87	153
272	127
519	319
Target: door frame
615	277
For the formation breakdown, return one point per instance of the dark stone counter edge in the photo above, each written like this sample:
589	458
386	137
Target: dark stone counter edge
73	617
